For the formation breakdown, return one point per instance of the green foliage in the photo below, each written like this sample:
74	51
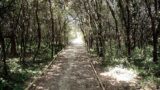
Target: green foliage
3	83
140	61
20	74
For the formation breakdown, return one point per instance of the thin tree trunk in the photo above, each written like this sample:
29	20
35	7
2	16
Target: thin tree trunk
154	32
116	23
52	23
13	44
2	41
38	30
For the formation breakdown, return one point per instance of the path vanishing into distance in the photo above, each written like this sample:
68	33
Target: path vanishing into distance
75	69
70	71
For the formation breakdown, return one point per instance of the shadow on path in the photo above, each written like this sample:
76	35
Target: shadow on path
70	71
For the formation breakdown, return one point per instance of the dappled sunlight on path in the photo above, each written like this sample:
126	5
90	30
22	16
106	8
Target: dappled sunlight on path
70	71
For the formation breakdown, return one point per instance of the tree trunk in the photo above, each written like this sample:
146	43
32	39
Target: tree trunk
38	30
154	32
13	44
2	41
52	23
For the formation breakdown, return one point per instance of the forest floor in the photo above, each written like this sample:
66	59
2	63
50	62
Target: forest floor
72	70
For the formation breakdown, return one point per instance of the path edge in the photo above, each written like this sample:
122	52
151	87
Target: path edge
44	70
96	74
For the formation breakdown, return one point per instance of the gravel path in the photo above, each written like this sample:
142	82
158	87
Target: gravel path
70	71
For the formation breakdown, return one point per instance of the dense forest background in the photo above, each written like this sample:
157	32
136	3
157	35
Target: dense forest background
119	31
31	33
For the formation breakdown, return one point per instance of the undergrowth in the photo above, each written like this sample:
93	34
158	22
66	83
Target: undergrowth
20	75
140	61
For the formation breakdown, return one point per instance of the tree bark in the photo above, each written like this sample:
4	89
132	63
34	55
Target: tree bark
154	32
2	41
38	30
52	27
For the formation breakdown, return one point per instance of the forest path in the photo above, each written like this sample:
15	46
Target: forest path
71	71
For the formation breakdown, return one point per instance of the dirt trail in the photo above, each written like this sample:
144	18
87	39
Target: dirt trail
70	71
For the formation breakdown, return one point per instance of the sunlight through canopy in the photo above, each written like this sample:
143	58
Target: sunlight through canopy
78	40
